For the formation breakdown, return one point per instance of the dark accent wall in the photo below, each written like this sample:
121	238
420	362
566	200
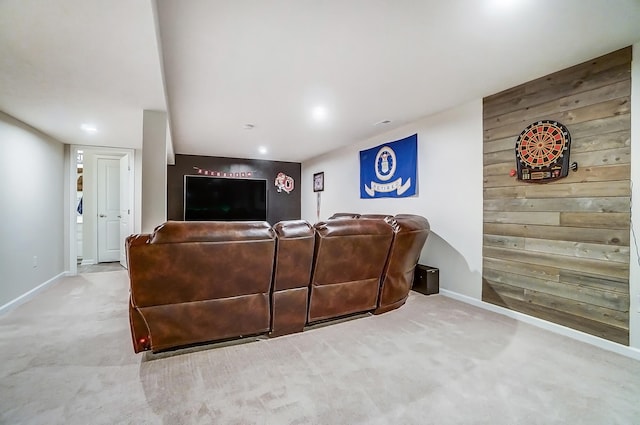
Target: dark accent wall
560	250
280	205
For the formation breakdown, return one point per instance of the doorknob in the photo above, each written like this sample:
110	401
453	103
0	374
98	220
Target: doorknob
102	216
119	216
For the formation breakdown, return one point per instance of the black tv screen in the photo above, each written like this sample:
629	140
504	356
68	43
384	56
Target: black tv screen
224	199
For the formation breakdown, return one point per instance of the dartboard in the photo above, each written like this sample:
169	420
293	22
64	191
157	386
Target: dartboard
542	151
542	143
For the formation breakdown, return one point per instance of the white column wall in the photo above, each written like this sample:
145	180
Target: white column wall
154	170
449	191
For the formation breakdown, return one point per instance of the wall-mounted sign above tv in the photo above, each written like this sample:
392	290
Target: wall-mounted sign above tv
214	198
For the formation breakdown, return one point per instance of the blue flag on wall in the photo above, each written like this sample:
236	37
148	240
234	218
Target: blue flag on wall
389	170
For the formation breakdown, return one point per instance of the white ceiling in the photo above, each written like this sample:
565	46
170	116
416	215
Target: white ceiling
68	62
269	63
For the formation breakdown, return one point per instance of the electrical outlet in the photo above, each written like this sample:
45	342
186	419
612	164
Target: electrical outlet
35	261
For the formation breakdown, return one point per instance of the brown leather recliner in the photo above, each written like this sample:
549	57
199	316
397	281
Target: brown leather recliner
410	235
291	275
349	258
193	282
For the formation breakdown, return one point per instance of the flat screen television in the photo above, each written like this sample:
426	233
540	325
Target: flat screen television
224	199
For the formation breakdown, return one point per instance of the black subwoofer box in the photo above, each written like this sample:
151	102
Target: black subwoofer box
426	280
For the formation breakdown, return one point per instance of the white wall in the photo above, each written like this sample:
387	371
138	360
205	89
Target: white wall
32	214
634	271
449	191
154	169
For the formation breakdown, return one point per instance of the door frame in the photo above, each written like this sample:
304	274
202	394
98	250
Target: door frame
70	214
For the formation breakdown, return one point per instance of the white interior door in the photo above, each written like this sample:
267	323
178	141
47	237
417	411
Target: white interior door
125	209
108	210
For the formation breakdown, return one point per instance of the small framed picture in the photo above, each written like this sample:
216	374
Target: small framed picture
318	182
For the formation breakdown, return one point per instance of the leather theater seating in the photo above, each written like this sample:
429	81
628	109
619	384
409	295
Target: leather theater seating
199	282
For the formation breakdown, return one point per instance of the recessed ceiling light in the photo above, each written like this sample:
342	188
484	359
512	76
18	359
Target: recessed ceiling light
262	150
89	128
319	113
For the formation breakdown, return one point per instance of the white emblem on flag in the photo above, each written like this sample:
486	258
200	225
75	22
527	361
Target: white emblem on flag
385	168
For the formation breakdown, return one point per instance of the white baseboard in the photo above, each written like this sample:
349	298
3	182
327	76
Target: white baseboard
88	262
624	350
29	295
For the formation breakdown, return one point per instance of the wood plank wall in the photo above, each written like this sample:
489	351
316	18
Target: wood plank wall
560	250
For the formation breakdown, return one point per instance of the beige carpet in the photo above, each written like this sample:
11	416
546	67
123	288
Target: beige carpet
66	358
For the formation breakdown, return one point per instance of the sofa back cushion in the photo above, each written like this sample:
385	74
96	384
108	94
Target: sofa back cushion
411	233
295	242
194	261
349	258
211	231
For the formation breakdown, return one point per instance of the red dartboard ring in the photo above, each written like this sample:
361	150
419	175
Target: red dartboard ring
542	144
